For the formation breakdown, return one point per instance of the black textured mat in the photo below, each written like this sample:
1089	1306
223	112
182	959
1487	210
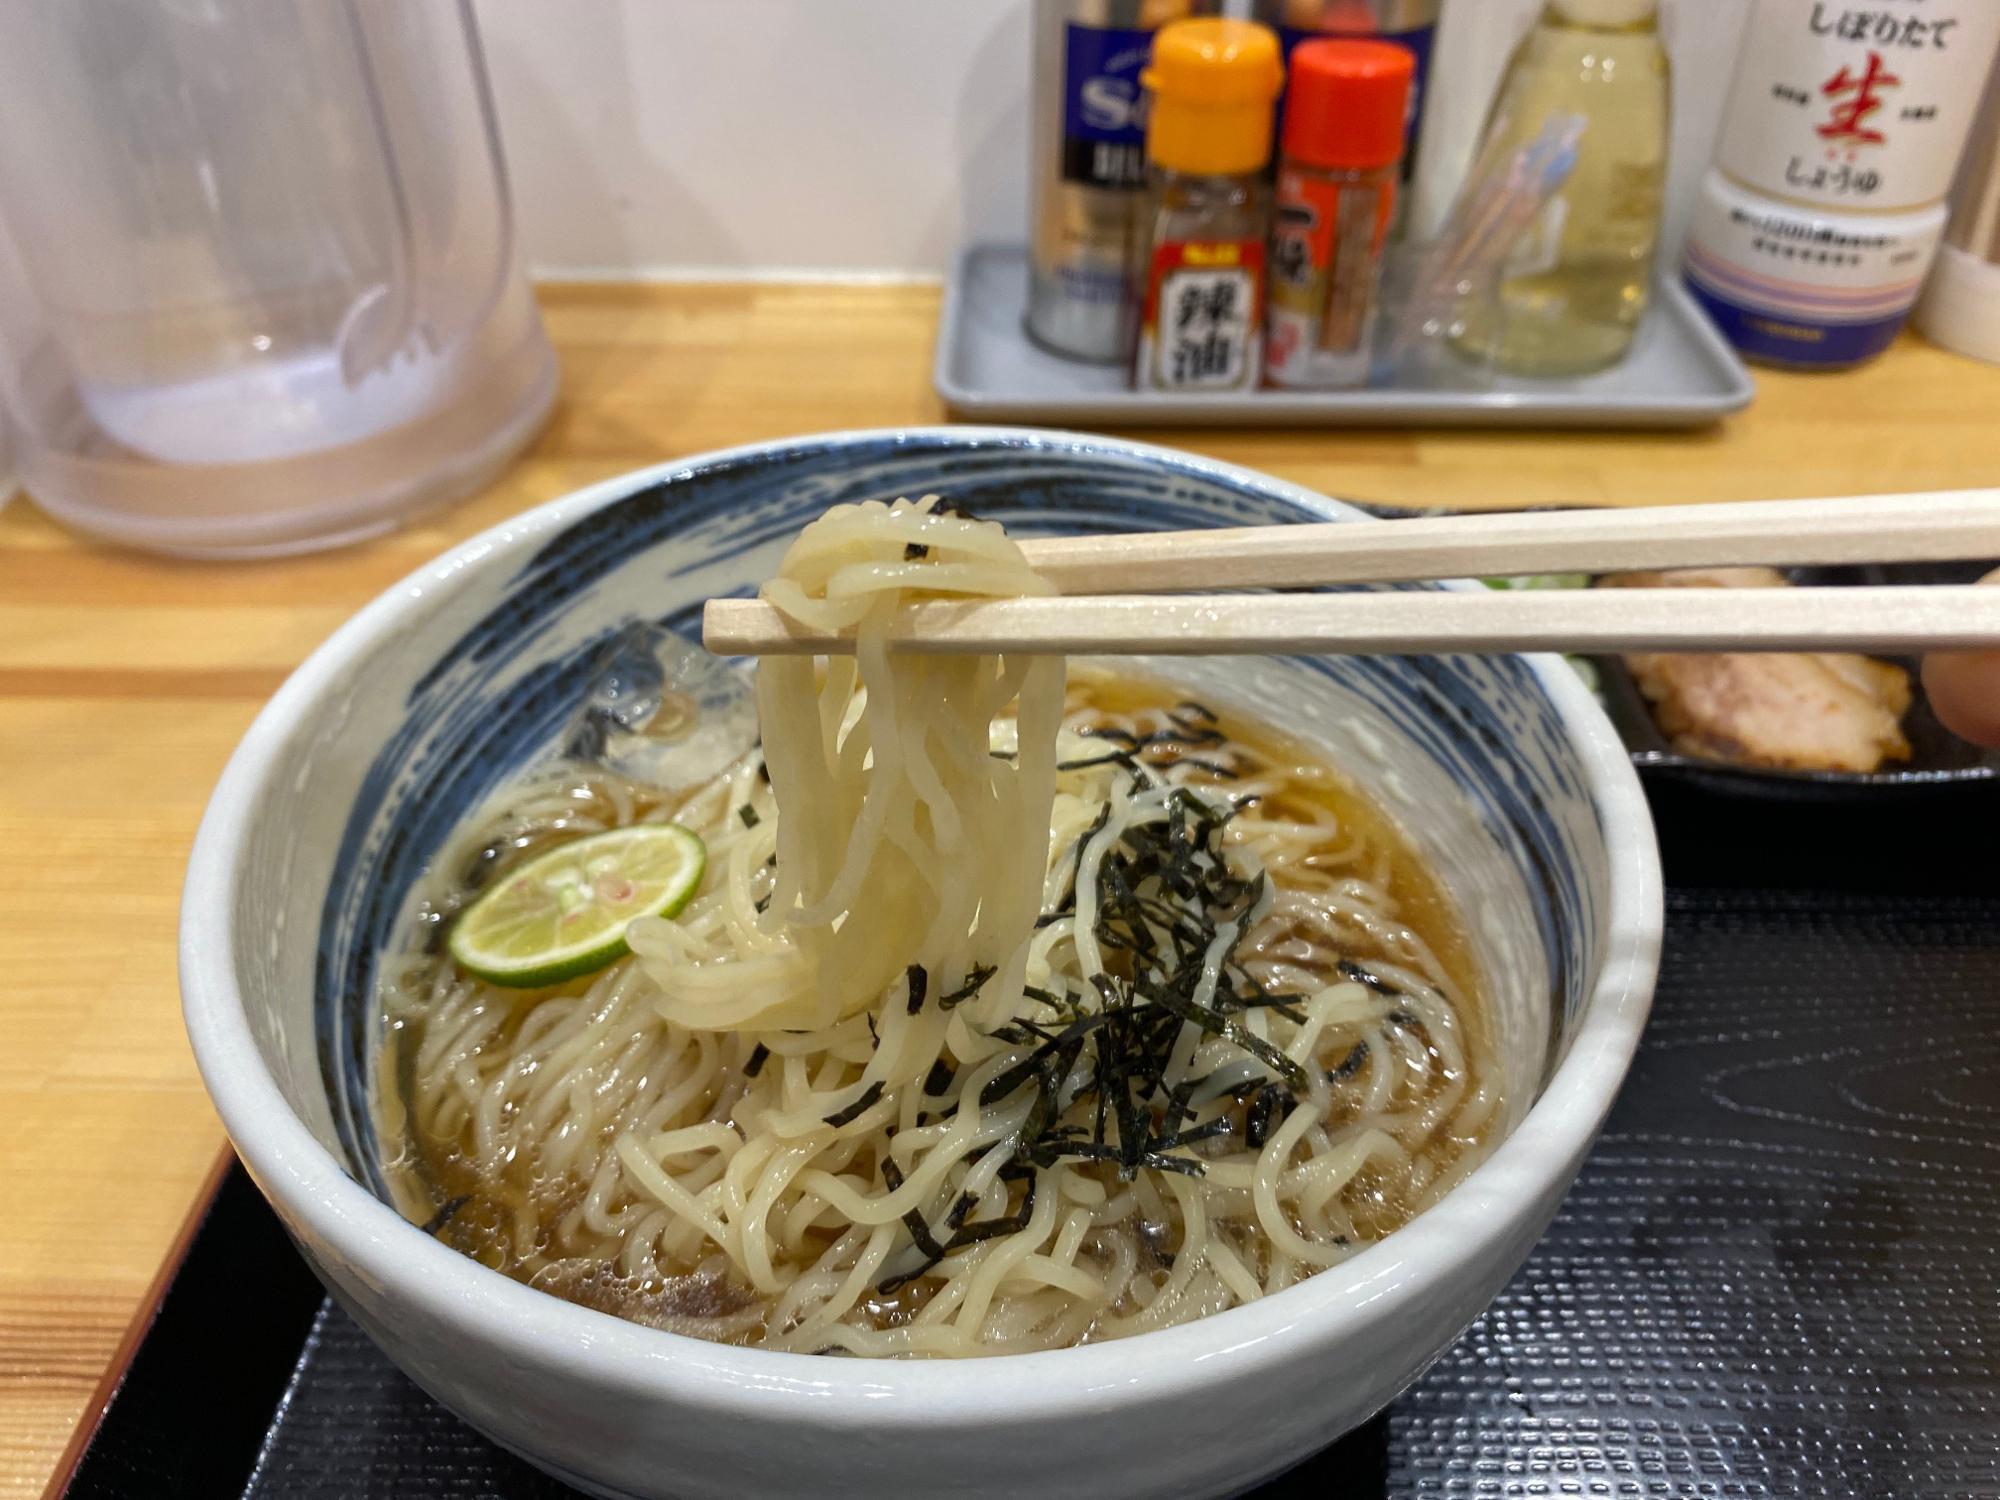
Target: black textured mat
1779	1273
195	1403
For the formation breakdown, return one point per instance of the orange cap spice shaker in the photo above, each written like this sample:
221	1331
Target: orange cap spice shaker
1345	112
1199	240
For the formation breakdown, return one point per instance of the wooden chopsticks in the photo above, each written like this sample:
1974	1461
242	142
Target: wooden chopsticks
1673	619
1141	618
1864	528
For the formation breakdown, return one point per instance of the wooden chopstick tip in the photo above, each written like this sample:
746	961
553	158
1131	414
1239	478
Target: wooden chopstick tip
750	627
716	632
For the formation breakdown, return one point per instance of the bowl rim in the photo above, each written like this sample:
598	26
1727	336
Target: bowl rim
367	1236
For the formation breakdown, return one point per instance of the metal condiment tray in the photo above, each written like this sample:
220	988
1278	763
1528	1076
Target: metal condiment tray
1681	373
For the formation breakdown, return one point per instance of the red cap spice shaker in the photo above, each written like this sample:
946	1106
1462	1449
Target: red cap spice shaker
1346	106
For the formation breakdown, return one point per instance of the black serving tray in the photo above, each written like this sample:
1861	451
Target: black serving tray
1940	762
1779	1273
1932	783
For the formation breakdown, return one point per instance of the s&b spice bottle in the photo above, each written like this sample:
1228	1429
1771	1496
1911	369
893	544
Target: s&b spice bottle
1345	109
1199	242
1088	171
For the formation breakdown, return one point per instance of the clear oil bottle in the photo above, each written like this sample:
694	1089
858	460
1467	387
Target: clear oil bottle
1570	297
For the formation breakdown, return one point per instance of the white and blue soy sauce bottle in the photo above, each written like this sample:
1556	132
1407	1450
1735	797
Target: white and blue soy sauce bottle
1814	229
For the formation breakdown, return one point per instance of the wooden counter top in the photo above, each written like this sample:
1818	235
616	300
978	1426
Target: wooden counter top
126	680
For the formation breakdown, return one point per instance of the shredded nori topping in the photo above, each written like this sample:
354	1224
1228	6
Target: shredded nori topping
1214	768
980	974
1267	1109
759	1054
1115	758
1352	970
855	1110
1165	891
920	1231
1191	728
446	1213
749	815
963	1234
919	982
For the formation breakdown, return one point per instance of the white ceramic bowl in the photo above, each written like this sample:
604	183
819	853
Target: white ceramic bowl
1503	770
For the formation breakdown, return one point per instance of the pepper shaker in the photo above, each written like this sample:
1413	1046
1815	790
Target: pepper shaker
1345	108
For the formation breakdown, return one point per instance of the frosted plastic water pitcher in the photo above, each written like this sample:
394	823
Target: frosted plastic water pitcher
259	290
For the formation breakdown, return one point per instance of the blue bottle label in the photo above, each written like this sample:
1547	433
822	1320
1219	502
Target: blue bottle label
1804	286
1104	107
1795	339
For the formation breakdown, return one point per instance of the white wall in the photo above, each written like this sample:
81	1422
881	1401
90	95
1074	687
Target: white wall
676	136
734	137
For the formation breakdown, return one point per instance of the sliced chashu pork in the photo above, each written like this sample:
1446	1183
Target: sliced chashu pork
1821	712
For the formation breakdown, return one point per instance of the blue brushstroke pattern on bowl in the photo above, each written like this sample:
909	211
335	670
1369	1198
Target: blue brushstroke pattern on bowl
505	690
